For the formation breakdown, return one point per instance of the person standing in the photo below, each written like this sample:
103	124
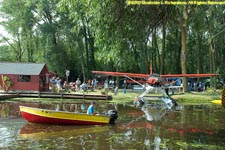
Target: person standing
58	84
53	84
78	82
166	87
84	87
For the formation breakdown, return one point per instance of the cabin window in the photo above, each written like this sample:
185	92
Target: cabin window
24	78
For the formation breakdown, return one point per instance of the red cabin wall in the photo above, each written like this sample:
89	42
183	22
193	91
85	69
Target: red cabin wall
36	83
33	85
44	85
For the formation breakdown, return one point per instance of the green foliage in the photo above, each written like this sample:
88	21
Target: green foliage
7	82
82	35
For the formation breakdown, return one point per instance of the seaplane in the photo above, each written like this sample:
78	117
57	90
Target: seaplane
152	81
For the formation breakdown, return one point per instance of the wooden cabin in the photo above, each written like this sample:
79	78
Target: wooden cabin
24	76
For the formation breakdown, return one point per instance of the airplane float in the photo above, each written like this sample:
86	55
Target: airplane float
153	81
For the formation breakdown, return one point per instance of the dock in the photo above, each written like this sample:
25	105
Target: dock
54	95
7	96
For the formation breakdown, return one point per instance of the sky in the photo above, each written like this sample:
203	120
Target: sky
3	32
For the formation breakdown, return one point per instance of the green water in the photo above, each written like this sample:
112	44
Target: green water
189	127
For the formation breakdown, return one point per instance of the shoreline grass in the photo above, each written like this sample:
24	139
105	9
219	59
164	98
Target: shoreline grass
184	98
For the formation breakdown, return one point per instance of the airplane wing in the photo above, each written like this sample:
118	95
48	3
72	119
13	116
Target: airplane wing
122	74
189	75
137	75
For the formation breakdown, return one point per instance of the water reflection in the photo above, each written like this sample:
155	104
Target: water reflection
9	127
187	127
149	127
40	131
153	112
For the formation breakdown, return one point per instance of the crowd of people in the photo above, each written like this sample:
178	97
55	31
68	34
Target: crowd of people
55	84
77	86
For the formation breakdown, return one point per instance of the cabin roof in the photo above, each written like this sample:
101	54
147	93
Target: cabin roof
21	68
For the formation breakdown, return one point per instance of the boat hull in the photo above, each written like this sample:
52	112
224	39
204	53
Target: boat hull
219	102
44	116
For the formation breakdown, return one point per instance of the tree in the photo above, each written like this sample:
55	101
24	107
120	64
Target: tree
184	18
20	22
81	36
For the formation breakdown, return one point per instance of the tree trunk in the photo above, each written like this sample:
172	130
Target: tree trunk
156	56
92	49
183	58
29	39
162	66
86	44
200	60
184	23
20	49
211	53
80	51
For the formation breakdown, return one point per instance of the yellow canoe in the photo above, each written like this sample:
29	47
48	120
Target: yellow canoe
222	101
44	116
219	102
